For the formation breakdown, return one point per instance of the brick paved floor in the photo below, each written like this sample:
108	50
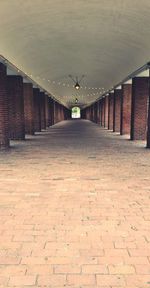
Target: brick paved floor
74	210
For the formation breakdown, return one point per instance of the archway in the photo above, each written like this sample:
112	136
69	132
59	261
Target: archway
76	112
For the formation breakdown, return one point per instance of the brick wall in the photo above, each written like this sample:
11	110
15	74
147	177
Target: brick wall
110	111
148	124
43	116
139	107
28	108
103	112
47	110
106	112
98	112
117	110
16	107
51	103
37	110
126	109
4	135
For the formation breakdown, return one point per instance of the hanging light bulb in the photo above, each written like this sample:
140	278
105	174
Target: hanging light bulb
76	100
77	86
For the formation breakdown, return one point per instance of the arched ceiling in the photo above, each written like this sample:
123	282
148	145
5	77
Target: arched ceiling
104	40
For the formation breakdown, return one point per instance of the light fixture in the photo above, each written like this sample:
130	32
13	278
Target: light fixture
77	86
76	81
76	100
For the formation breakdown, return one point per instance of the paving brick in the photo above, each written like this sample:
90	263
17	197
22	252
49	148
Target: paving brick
67	269
94	269
112	280
22	280
61	222
86	280
121	269
53	280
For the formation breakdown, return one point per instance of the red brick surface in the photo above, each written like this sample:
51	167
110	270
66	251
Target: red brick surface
111	111
74	210
4	137
43	113
148	124
106	112
117	110
28	108
103	112
51	107
47	111
126	109
37	110
98	112
16	107
140	93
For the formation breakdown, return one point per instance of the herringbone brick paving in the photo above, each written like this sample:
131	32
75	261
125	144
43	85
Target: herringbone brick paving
74	210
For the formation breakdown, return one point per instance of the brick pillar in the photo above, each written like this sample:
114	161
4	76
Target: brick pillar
43	116
111	111
37	110
117	110
4	135
62	113
139	107
16	107
91	113
103	112
126	109
59	112
87	113
47	110
95	112
148	124
51	112
98	113
55	111
28	108
106	112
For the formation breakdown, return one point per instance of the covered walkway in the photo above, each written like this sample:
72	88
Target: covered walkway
74	209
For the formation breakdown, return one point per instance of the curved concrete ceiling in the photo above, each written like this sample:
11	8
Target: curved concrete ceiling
105	40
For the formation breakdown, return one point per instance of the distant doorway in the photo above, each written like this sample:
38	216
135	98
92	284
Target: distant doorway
76	113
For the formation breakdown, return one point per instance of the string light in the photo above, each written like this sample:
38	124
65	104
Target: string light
66	84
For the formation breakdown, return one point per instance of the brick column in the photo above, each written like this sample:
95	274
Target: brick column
139	107
106	112
62	113
126	109
103	112
51	112
111	111
47	111
55	111
4	136
117	110
16	107
43	116
148	124
28	108
37	110
98	113
95	112
59	112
